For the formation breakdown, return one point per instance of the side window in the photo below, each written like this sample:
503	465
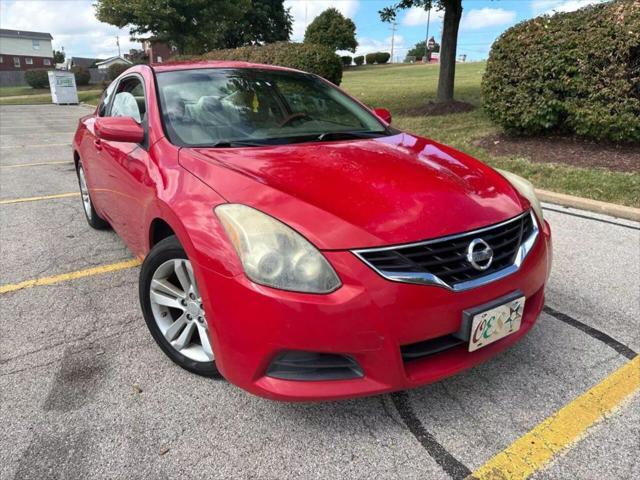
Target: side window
129	100
106	97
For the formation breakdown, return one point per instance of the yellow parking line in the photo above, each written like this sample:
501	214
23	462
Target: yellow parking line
36	164
35	199
113	267
536	448
46	145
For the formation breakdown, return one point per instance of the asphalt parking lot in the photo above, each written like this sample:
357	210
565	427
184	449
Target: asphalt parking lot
85	393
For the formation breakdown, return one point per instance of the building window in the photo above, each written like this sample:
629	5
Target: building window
1	59
28	61
46	62
16	62
158	59
35	44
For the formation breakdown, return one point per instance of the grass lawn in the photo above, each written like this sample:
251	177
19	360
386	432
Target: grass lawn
21	91
402	87
90	96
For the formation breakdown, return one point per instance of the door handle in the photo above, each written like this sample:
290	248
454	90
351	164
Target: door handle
98	144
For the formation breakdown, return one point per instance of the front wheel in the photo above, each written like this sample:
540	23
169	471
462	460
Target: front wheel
173	310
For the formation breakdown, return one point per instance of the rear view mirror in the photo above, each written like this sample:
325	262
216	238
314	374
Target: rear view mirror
383	114
119	129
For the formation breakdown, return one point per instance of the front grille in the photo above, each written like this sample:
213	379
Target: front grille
444	261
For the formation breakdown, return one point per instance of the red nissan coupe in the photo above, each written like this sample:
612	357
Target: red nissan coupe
297	244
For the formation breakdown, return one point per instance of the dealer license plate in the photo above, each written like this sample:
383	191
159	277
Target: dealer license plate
495	323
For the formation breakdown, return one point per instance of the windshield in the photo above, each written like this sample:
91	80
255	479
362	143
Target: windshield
216	107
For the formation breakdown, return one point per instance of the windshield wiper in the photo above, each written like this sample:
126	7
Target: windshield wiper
348	135
235	143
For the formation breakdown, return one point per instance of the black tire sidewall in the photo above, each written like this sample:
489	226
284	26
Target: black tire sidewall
165	250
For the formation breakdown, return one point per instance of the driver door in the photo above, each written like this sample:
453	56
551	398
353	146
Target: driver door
128	187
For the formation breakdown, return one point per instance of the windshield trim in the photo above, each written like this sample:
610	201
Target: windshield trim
388	130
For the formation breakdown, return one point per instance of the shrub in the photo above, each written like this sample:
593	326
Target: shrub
359	60
382	57
371	58
346	61
116	69
37	78
575	72
82	75
308	57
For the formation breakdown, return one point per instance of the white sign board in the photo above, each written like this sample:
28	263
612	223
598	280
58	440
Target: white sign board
63	87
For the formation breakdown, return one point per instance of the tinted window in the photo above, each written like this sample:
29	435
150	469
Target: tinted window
213	106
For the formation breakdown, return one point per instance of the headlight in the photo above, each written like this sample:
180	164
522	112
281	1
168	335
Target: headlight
274	254
526	190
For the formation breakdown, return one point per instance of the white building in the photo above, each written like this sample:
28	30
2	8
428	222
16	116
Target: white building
21	50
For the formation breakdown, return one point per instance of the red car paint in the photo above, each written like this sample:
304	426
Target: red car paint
341	196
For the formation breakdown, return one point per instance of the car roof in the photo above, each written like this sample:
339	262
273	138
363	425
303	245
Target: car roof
189	65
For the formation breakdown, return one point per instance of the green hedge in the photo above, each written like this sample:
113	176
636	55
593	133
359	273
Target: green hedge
359	60
308	57
82	75
377	57
575	72
37	78
382	57
346	60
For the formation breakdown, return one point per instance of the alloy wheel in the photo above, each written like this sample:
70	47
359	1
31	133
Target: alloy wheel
84	191
177	308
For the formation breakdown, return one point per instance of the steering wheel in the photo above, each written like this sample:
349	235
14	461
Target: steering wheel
292	117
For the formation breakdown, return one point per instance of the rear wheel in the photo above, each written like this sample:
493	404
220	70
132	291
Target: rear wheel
93	219
173	309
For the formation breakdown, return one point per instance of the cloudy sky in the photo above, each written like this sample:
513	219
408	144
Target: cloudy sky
73	25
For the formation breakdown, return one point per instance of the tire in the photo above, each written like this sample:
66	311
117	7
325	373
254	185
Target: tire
93	219
174	312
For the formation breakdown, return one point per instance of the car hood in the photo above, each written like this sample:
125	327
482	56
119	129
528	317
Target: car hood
360	193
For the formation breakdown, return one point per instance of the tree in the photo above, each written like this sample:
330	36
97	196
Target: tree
58	56
332	29
452	16
419	50
193	26
266	21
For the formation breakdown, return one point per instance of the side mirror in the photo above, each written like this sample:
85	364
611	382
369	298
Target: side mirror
119	129
383	114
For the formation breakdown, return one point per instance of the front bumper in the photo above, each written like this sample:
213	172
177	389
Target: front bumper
368	319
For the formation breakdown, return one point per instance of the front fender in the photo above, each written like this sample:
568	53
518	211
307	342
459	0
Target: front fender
186	204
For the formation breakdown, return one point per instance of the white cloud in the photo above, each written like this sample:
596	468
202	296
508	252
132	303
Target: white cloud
369	45
550	7
417	17
486	17
72	24
304	11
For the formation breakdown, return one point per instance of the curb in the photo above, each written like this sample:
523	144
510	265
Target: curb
620	211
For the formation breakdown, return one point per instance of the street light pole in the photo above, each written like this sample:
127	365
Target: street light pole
426	39
393	37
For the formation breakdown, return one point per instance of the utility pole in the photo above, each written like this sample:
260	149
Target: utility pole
426	39
118	44
393	37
